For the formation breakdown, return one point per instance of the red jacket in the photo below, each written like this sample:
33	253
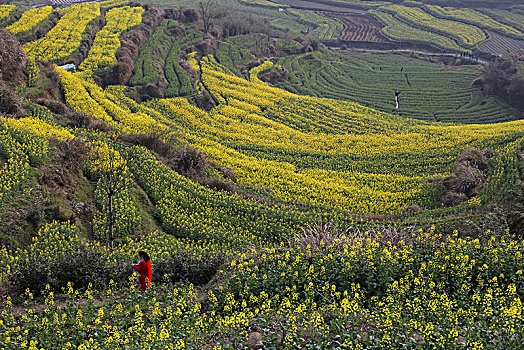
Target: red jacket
145	271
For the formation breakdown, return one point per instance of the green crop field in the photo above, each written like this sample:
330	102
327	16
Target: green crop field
427	91
514	17
398	30
287	195
159	58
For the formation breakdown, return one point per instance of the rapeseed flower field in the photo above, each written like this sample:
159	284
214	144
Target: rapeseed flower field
248	261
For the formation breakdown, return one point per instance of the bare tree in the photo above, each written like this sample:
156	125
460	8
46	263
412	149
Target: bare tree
206	12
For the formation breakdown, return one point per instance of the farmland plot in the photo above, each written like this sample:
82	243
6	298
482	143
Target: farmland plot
501	45
515	17
358	27
159	59
424	90
473	17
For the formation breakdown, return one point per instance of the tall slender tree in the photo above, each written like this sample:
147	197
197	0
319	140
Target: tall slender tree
117	216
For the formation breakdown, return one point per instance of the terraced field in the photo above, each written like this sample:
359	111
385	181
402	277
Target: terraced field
425	90
514	17
159	58
347	77
501	45
102	54
358	27
301	221
65	38
474	17
398	30
323	28
444	28
272	138
467	35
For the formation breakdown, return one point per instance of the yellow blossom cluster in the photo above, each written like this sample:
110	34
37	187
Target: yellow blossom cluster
35	146
32	71
427	291
14	172
467	34
470	15
64	38
106	44
39	127
5	10
30	20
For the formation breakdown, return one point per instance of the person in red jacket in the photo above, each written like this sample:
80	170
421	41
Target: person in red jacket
144	270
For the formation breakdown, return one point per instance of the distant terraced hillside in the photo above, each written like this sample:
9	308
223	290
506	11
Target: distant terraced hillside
421	24
426	91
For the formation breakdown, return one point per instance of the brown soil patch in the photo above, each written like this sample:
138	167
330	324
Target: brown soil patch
358	27
499	44
3	160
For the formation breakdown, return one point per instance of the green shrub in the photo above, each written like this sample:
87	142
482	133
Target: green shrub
186	267
80	267
189	162
57	256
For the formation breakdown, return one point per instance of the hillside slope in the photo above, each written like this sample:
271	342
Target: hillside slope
315	157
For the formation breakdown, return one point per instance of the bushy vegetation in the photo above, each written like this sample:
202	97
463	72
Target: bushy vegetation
502	79
70	261
12	60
